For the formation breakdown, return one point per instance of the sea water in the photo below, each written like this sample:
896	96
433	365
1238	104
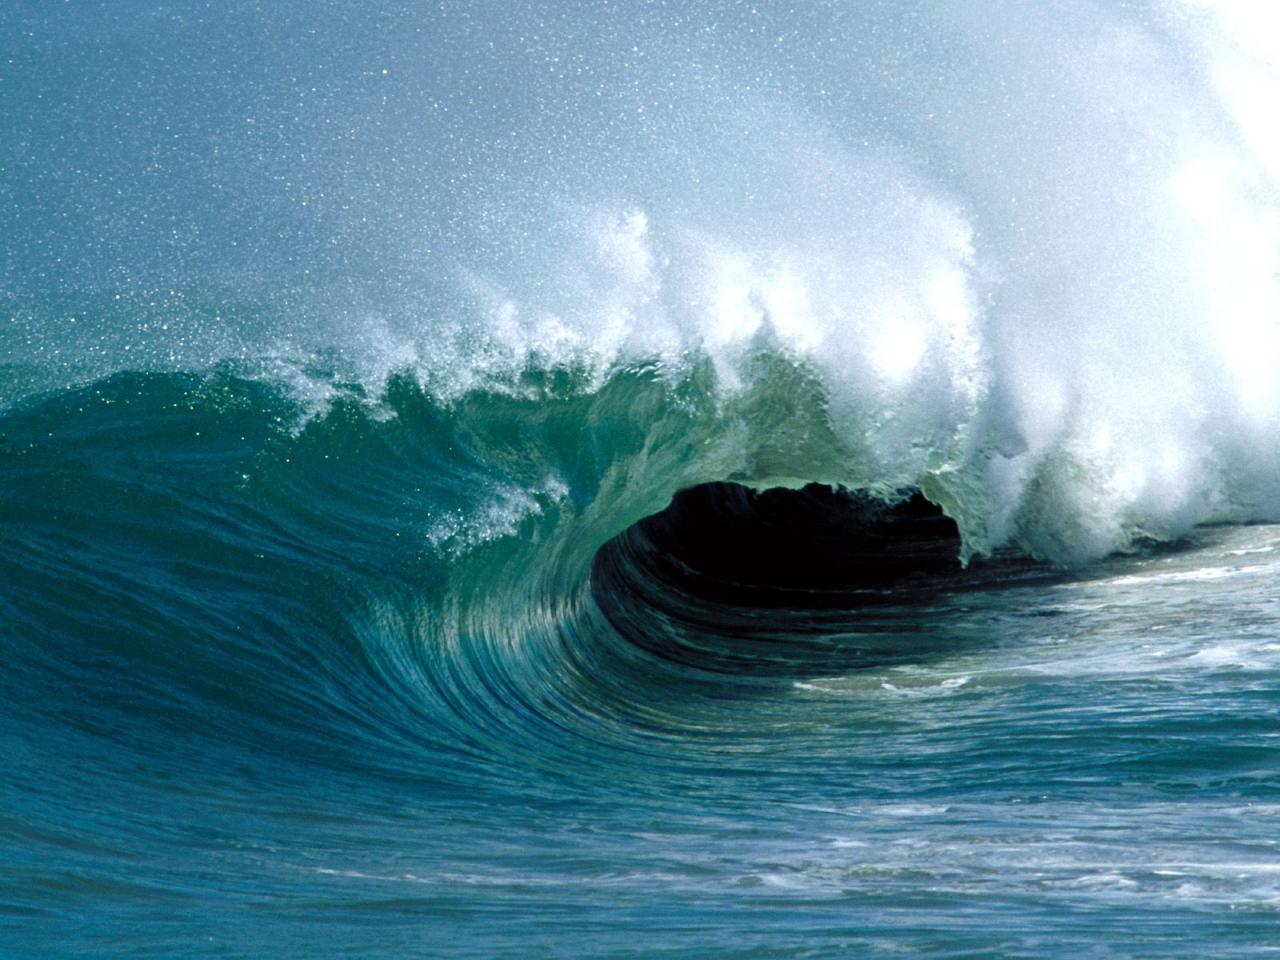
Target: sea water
639	480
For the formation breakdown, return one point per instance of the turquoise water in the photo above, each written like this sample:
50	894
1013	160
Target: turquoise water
623	481
250	707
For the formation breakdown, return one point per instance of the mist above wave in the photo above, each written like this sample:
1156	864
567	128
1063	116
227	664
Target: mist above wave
1030	254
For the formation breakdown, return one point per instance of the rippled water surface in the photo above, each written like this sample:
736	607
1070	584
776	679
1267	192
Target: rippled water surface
241	717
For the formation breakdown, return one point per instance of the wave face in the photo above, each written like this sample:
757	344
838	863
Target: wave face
637	481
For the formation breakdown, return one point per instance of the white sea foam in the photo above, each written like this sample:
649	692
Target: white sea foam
1032	251
1049	294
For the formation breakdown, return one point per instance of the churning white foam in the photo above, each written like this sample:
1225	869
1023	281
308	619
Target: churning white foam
1047	291
1031	250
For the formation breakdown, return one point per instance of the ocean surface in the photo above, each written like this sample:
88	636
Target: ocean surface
639	480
